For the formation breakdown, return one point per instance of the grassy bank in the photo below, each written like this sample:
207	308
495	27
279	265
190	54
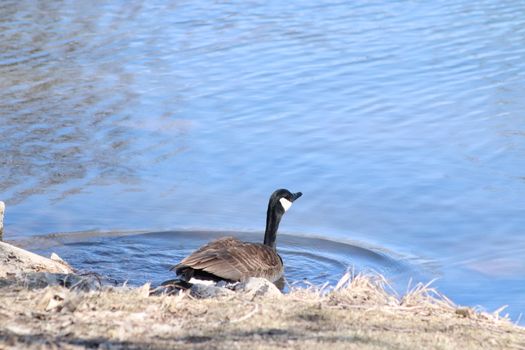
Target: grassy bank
359	313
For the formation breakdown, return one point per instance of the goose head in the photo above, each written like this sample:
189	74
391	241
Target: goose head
280	201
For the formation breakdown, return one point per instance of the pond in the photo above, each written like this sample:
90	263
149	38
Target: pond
402	123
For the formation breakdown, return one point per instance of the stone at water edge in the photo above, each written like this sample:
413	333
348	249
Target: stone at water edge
16	260
55	257
203	291
258	287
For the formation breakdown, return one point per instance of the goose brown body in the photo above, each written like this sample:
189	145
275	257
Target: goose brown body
233	260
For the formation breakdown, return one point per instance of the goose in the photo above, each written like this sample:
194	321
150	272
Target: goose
231	260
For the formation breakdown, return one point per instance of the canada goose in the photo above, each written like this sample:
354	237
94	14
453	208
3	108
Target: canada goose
232	260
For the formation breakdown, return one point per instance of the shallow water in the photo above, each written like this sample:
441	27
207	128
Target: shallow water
137	258
402	123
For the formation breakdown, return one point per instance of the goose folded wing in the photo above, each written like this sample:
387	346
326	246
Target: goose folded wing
233	260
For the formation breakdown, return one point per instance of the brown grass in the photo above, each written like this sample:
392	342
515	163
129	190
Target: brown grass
360	312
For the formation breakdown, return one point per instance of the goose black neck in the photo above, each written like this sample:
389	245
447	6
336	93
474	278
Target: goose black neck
273	218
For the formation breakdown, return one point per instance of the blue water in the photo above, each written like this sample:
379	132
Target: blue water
402	123
138	258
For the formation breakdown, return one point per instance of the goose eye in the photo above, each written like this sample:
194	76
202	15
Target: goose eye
285	203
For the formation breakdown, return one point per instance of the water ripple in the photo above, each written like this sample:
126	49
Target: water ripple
401	122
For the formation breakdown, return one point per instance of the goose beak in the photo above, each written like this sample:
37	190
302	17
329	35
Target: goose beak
296	195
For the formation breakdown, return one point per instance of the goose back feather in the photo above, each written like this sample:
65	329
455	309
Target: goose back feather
233	260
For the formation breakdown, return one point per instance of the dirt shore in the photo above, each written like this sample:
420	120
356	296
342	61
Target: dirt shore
359	313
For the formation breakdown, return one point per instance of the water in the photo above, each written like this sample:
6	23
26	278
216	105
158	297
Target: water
402	123
137	258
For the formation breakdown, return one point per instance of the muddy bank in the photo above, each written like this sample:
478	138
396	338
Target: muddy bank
359	313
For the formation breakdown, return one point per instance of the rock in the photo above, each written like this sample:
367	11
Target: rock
21	267
55	257
36	280
255	287
203	291
224	284
14	260
59	260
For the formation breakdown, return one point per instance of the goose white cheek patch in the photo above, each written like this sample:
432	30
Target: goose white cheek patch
285	203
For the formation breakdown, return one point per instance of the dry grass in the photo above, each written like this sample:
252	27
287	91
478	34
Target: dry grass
360	312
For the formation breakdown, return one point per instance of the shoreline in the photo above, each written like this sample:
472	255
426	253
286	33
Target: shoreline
360	312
